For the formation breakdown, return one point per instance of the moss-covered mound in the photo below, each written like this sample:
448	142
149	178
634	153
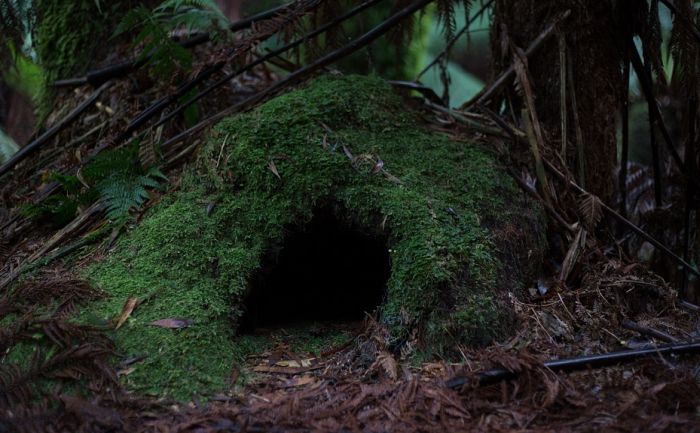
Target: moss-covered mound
442	205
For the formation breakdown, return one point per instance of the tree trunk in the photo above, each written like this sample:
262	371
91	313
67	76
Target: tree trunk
594	60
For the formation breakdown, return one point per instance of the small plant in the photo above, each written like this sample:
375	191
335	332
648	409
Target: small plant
121	181
116	177
60	208
156	26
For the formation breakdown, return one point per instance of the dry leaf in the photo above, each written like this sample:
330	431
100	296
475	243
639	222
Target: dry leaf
388	363
572	254
591	210
126	371
554	324
299	381
273	168
128	308
295	364
172	323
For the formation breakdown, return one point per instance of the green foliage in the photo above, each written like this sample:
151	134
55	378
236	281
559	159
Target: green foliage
58	209
17	18
154	27
199	262
116	177
121	181
7	147
24	75
123	191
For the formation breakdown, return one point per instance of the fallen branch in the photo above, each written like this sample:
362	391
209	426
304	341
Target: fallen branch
508	74
574	364
304	72
99	76
51	132
650	332
455	38
268	56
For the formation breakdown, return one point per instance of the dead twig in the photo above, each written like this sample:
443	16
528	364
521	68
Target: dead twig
562	94
525	187
508	74
683	19
655	113
99	76
51	132
228	77
651	332
71	229
577	124
304	72
455	38
574	364
624	220
578	189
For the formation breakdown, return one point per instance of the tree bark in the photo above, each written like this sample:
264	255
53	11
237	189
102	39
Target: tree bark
594	60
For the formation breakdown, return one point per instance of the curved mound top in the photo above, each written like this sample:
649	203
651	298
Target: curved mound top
346	144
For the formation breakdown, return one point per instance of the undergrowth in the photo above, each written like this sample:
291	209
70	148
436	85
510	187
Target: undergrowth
116	177
153	29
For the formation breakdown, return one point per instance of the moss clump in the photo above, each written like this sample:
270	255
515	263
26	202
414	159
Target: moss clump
432	201
68	36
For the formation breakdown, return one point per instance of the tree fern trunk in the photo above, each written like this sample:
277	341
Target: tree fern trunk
592	41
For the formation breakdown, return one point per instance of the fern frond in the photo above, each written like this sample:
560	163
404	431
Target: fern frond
120	180
446	17
105	164
591	210
123	192
133	19
155	28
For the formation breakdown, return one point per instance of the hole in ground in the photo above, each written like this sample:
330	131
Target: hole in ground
326	270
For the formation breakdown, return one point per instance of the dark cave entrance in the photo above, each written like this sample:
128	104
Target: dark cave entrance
328	270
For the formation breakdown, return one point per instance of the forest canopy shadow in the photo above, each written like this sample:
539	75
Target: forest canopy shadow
325	270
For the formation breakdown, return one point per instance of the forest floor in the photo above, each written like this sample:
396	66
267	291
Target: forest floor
347	379
341	377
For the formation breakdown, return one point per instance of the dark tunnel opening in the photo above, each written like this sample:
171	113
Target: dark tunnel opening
325	271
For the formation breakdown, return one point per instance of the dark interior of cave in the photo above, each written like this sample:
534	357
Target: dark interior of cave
325	270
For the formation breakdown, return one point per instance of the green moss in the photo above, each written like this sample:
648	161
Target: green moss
433	208
68	36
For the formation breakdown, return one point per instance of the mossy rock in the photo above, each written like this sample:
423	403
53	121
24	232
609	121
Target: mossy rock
461	235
